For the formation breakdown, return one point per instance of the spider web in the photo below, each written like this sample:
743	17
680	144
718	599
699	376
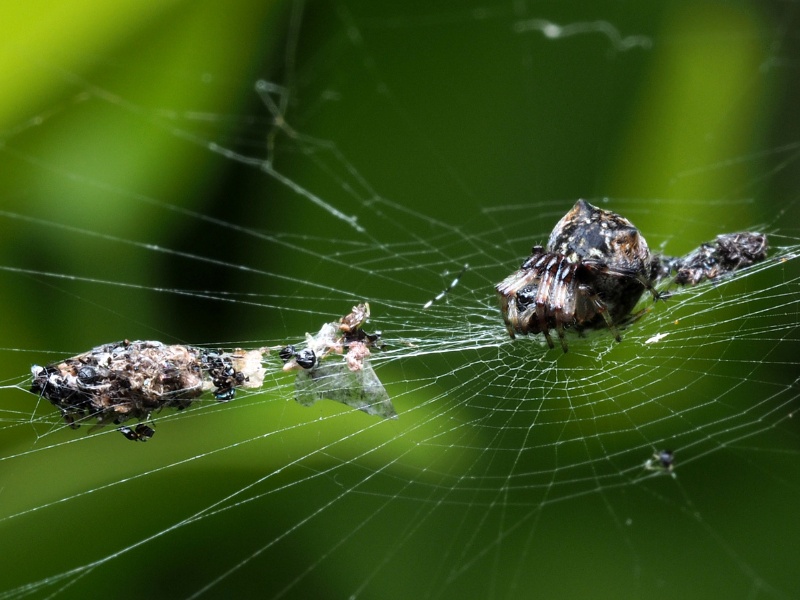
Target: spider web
231	198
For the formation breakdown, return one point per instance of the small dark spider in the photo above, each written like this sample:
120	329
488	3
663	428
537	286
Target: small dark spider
594	269
140	433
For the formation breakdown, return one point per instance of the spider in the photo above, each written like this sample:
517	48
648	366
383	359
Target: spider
595	268
591	274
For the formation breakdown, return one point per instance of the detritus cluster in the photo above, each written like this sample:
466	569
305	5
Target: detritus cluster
126	380
351	381
726	254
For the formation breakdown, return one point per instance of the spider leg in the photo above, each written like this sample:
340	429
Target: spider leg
600	306
548	338
611	325
648	285
542	321
560	329
509	312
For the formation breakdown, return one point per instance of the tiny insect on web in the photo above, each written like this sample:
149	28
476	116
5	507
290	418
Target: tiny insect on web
662	461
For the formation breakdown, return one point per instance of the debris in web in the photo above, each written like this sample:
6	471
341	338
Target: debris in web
126	380
727	253
360	389
351	379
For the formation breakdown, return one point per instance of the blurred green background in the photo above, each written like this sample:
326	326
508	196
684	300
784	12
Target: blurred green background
447	111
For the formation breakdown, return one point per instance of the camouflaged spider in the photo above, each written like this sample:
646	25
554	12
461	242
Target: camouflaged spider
595	268
591	274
